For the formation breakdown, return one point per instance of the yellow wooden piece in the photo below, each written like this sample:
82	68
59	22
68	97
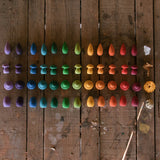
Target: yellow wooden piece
90	68
90	101
88	85
90	50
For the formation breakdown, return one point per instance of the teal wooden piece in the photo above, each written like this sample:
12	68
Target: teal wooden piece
43	102
42	85
54	48
43	50
53	85
43	69
54	102
53	70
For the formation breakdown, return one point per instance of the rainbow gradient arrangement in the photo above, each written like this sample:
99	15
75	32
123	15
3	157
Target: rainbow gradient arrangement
88	85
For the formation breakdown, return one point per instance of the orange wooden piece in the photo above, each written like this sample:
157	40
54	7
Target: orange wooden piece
101	101
100	50
112	85
100	69
111	51
112	69
113	101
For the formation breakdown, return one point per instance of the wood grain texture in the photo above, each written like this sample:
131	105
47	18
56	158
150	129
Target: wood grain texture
62	126
13	15
89	116
157	76
117	26
35	115
144	36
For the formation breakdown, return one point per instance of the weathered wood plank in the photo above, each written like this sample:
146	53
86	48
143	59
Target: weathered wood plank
117	27
157	75
62	126
144	36
89	116
35	115
13	28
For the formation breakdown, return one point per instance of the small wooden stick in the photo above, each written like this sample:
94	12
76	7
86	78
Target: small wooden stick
140	111
131	136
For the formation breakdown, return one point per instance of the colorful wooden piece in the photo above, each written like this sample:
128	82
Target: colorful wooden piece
33	102
43	69
33	49
19	102
42	85
88	85
100	68
100	50
123	50
134	69
33	69
113	101
123	101
124	85
100	85
5	68
65	48
77	84
65	69
54	48
136	87
6	101
53	85
19	49
77	69
31	84
18	69
65	85
53	70
111	50
7	49
134	50
43	102
65	103
90	101
43	50
77	102
112	85
101	101
112	69
8	85
135	101
77	49
19	85
90	50
124	70
90	68
54	102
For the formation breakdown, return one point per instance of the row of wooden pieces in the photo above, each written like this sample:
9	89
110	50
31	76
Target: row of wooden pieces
66	103
65	50
65	69
149	86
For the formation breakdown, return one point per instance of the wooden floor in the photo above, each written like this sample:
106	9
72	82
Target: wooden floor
86	133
